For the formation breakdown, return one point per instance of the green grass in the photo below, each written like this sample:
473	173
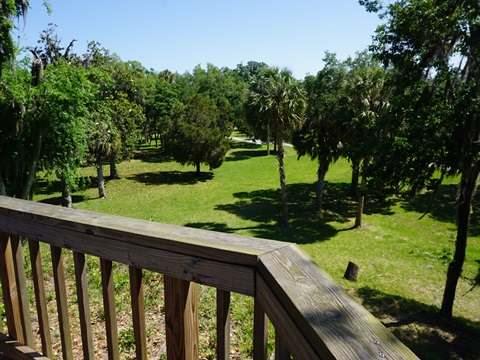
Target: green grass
402	259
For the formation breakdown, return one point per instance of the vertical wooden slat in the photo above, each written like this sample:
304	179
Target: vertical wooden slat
22	290
281	350
40	299
9	287
181	318
260	332
62	305
15	290
109	307
138	312
83	305
223	325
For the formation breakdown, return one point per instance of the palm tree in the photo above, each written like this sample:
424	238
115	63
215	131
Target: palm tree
319	137
282	102
366	100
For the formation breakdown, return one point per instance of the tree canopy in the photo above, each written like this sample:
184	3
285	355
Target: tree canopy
433	48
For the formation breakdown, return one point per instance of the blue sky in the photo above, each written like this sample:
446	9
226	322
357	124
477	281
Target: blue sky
180	34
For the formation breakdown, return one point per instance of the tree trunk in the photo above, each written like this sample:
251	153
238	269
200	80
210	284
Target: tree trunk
321	172
198	168
360	205
66	195
467	189
283	182
113	166
26	192
101	180
3	188
30	176
351	273
361	197
268	139
355	175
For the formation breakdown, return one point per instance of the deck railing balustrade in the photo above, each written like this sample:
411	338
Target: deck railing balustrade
313	317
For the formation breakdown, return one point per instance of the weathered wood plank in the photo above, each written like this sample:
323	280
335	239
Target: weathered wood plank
15	350
226	276
20	279
281	350
335	324
284	325
15	290
260	331
40	299
9	287
138	312
62	304
222	247
108	292
223	325
181	318
83	305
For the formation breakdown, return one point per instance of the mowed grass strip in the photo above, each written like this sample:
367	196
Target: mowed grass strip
403	259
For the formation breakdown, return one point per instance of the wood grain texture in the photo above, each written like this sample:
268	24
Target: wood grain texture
40	299
335	325
62	304
108	292
138	312
227	276
222	247
313	316
83	305
15	350
13	296
21	281
260	331
181	318
281	350
223	325
298	345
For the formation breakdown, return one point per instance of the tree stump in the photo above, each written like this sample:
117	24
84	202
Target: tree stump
351	273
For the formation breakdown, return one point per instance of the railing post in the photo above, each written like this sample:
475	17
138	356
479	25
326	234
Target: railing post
15	290
260	332
281	350
138	312
109	307
83	305
41	301
62	304
181	318
223	324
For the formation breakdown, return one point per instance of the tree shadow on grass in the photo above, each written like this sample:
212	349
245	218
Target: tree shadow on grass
420	327
246	151
43	186
151	155
171	177
443	207
305	225
57	200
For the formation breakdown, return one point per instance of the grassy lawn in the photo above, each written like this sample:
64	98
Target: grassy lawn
402	258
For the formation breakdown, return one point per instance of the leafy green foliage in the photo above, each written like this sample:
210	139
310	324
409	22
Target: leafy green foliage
65	93
319	137
281	101
430	45
197	135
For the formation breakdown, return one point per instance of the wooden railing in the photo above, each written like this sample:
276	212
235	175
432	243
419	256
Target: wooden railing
312	316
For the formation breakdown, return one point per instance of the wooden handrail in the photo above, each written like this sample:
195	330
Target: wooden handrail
314	318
